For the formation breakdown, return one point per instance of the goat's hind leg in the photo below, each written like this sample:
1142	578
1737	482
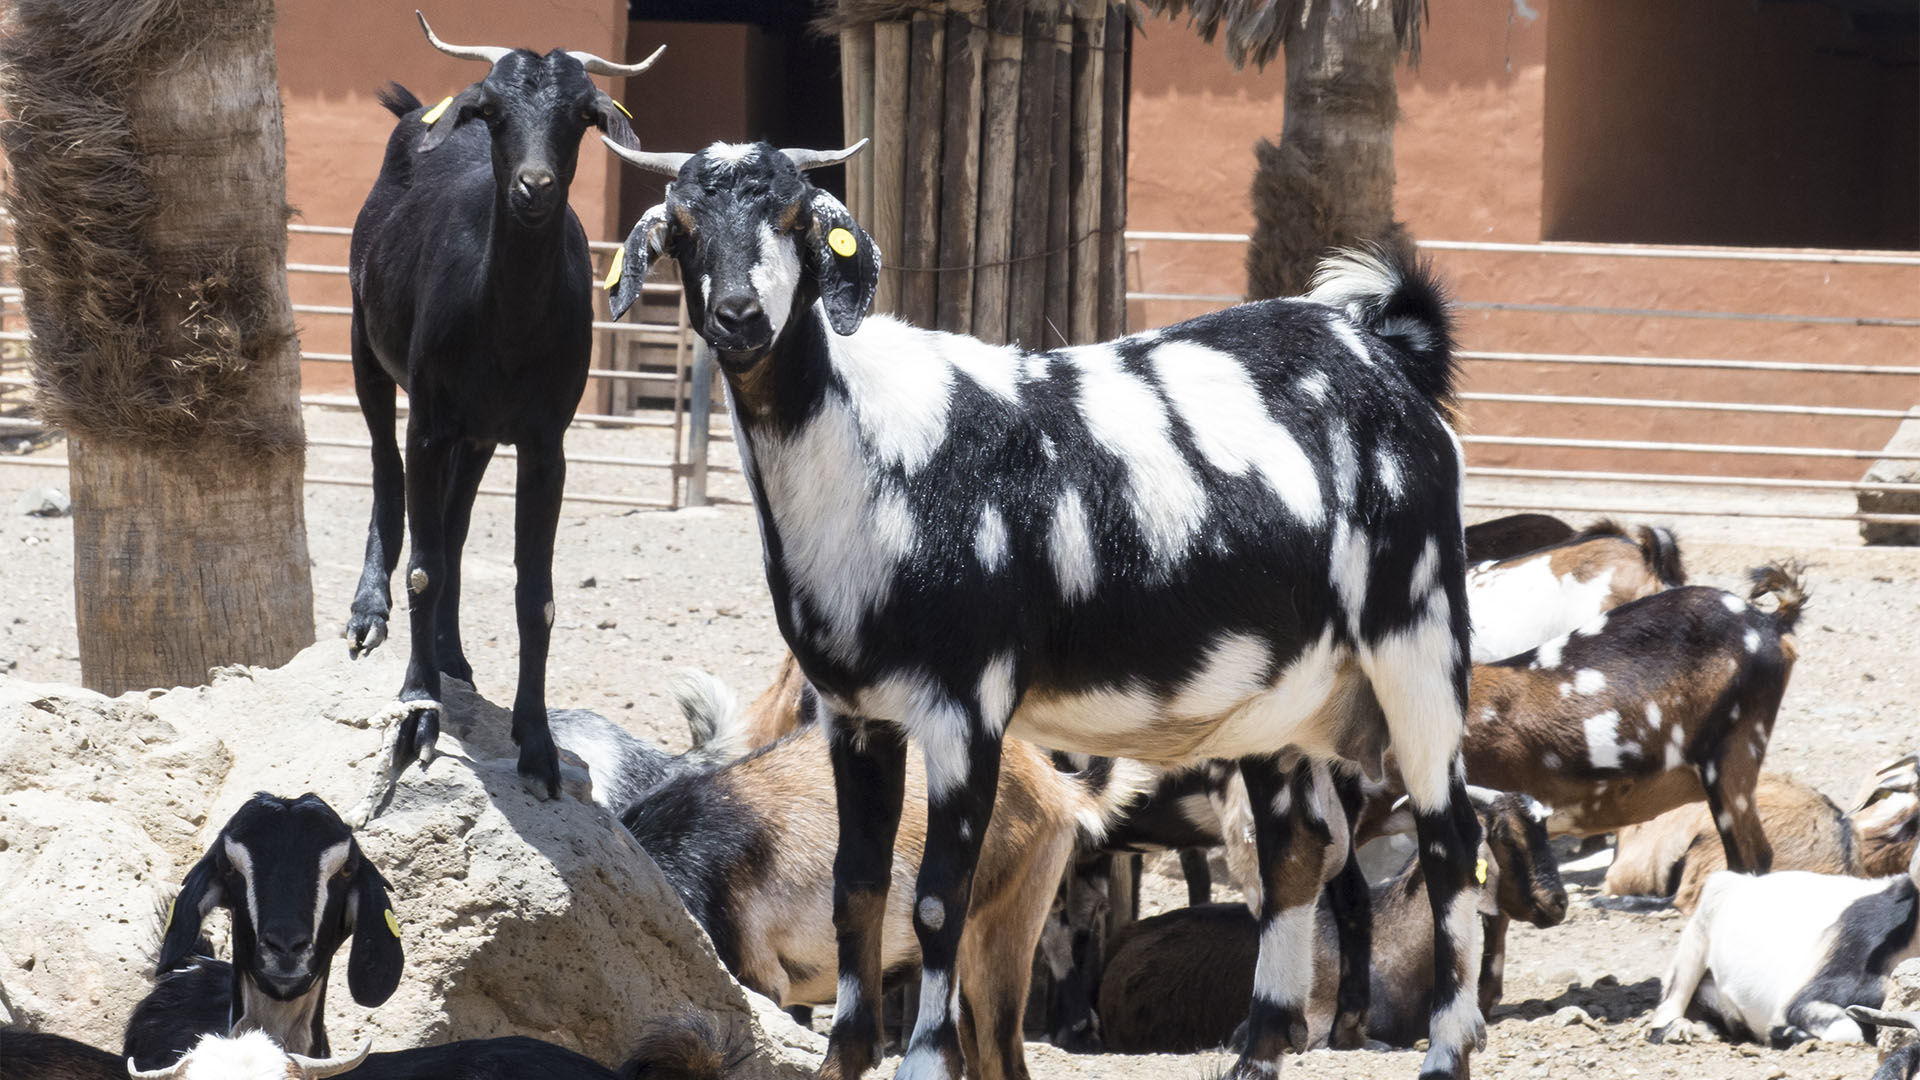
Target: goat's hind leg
373	597
1352	902
427	461
463	484
869	777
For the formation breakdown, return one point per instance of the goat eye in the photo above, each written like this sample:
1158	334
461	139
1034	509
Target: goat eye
587	115
487	110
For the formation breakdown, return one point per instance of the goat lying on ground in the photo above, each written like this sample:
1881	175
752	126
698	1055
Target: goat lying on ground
746	845
297	887
1641	709
1674	854
1513	535
471	291
1523	601
1175	983
1780	957
1236	537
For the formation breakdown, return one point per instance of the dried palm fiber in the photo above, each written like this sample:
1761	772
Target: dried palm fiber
1255	30
836	15
154	289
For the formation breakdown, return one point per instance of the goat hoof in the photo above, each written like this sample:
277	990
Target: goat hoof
419	732
1678	1032
364	633
540	771
1349	1032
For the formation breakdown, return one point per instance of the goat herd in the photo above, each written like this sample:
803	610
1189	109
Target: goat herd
1217	569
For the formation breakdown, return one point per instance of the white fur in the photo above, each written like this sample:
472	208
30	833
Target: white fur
1549	654
1516	606
1344	330
996	693
731	154
1411	673
1231	426
1603	739
846	998
1733	603
775	276
994	367
1314	385
1283	973
1386	470
247	1055
1588	681
1278	714
937	1002
1235	669
1126	418
898	386
288	1023
990	539
1424	570
1348	571
1752	639
1070	548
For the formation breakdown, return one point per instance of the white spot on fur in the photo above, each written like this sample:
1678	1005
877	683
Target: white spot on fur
775	276
846	998
1603	739
1592	627
1411	673
1125	417
1348	572
1231	426
1070	548
1733	603
1386	470
1346	463
932	913
1344	330
1548	655
990	539
1676	747
546	612
1752	640
995	368
729	154
1566	690
1550	759
1234	670
1314	385
1589	681
1424	570
416	581
996	692
897	388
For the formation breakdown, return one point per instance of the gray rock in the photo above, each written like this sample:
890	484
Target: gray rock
1906	439
44	502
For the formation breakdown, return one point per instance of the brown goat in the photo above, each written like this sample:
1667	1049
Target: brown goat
1520	602
1179	982
1673	854
749	846
1644	709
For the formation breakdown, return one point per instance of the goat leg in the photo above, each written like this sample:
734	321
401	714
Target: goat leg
427	458
1352	903
373	598
869	778
538	486
463	483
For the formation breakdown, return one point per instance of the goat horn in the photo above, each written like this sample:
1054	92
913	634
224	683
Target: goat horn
814	159
649	160
1882	1018
489	53
315	1068
1482	797
167	1073
598	66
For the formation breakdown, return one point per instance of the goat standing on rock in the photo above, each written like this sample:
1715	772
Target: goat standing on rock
472	290
1237	537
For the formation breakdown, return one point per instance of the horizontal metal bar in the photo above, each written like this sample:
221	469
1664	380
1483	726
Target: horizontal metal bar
1198	298
660	329
593	373
579	497
321	230
333	401
1709	406
315	268
1625	251
1675	362
1704	480
1665	511
509	452
1679	313
1693	448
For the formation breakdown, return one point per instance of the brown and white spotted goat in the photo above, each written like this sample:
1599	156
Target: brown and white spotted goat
1520	602
1644	709
1235	537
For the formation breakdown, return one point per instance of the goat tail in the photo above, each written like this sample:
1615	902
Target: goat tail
684	1046
1786	581
1397	296
712	712
1662	551
1104	790
398	99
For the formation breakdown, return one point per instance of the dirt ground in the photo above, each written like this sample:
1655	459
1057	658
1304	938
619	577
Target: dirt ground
644	593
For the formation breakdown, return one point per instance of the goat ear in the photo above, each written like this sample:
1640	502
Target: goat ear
199	894
611	118
449	115
845	262
1486	874
630	269
374	968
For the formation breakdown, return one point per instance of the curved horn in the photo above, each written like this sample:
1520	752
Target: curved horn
607	67
814	159
1482	797
315	1068
648	160
489	53
167	1073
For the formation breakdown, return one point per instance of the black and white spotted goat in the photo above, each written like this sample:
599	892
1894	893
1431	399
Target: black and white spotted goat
1238	537
297	886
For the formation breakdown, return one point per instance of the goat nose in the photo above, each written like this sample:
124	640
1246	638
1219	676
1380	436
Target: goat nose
734	313
536	181
287	944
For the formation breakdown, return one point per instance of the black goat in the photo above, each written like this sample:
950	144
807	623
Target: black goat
296	885
471	289
40	1055
1237	537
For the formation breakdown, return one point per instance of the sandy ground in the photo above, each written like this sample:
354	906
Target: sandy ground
644	593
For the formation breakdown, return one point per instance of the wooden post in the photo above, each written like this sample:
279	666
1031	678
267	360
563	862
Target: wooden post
1089	44
886	157
1033	184
960	166
920	194
1058	314
856	113
1000	105
1113	177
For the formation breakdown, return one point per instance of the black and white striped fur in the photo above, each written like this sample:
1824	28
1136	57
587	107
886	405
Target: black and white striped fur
1237	537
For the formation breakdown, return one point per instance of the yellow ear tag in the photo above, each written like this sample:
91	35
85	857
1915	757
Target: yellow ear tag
1480	871
393	924
622	108
613	269
842	243
433	114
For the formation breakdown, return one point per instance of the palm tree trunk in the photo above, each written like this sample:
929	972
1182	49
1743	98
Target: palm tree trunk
149	198
1329	183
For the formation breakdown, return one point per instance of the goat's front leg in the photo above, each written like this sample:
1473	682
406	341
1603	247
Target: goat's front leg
427	458
541	480
1730	777
373	597
1352	902
1493	960
1294	836
963	773
463	483
869	778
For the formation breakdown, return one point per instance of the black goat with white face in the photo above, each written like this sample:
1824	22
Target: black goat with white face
297	886
471	290
1237	537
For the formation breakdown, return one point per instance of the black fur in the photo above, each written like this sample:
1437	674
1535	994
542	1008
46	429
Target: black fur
38	1055
1874	933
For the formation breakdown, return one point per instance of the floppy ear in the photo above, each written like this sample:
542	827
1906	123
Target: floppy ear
642	247
199	894
374	968
449	115
612	119
845	262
